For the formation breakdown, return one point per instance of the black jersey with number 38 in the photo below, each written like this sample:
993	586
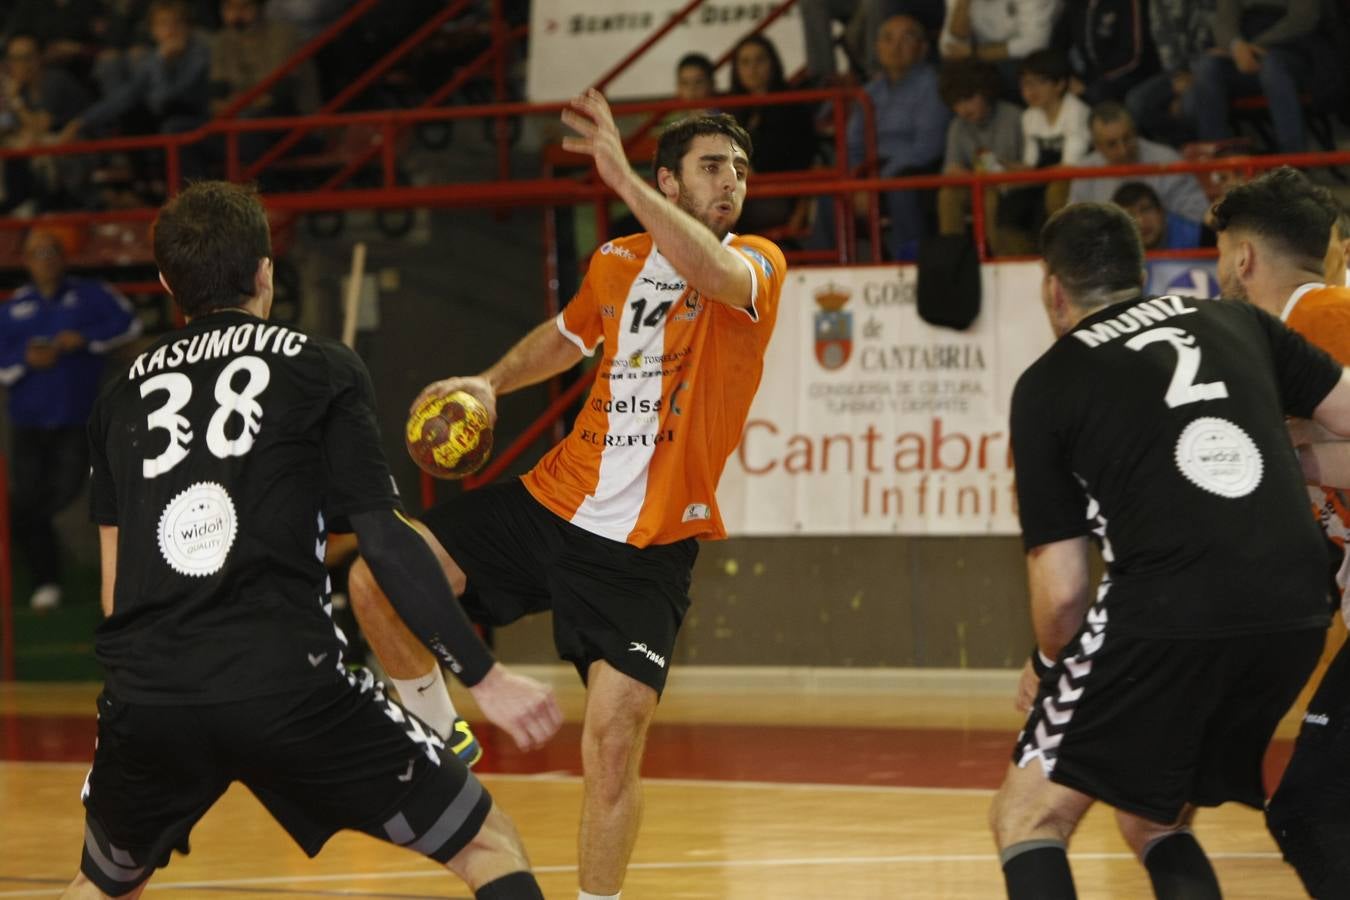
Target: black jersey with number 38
1158	424
217	455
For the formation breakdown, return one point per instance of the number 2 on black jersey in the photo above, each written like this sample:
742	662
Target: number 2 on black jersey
1183	388
243	403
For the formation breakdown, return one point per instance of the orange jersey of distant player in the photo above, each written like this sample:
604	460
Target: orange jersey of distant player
1322	315
670	398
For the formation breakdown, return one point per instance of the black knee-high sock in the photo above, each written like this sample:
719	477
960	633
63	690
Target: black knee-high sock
516	886
1179	869
1038	870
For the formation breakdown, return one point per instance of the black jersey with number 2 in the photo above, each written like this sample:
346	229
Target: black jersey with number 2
1158	425
218	454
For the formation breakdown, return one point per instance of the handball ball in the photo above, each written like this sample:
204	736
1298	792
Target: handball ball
449	436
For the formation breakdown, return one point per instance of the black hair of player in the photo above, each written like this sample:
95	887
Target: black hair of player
1131	192
208	242
966	78
1284	207
698	61
1050	64
675	140
1094	249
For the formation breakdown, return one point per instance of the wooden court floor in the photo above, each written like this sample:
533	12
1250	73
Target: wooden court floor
763	784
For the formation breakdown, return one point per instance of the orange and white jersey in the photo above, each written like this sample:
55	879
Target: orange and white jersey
1322	315
670	398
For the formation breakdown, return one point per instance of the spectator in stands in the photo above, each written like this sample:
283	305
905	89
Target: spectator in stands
694	81
911	124
1001	32
63	28
246	50
985	135
168	90
1269	49
1158	229
1109	46
34	100
308	17
783	134
862	21
54	333
1183	31
1055	123
1117	143
1338	251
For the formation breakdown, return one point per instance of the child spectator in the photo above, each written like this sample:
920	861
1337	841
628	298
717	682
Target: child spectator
1158	229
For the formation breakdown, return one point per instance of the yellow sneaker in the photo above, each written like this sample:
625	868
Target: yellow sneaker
464	745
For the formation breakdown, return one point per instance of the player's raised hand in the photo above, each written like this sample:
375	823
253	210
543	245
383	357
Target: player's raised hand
470	384
523	707
596	136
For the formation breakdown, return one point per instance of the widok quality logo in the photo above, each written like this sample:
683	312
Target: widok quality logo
197	529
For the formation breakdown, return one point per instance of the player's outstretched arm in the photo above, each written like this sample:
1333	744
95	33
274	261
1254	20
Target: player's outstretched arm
413	580
541	354
709	267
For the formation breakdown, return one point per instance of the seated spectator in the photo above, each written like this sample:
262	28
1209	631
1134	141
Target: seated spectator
1055	122
1183	31
911	124
1270	49
783	135
1109	46
1158	229
63	28
307	17
693	81
1117	143
34	100
1001	32
168	89
246	50
984	136
54	334
862	20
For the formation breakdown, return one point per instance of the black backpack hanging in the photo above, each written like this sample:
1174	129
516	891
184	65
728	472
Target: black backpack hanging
949	281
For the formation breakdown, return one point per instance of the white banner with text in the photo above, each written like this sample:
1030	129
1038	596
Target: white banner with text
575	42
871	421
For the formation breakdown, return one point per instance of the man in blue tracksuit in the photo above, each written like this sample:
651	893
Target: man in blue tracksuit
54	333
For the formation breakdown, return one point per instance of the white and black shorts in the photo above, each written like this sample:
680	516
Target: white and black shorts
341	756
1149	725
610	600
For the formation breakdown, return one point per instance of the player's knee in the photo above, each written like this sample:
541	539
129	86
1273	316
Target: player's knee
496	850
81	888
1013	820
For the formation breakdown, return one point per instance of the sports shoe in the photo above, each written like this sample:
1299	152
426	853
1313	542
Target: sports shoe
46	597
463	744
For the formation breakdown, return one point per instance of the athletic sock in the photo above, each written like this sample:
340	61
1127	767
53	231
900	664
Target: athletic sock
1179	869
585	895
516	886
427	698
1037	870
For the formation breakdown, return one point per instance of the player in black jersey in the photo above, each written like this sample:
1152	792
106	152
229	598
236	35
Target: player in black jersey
222	457
1156	426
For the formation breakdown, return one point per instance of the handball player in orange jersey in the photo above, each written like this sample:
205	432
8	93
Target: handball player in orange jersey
1274	253
604	530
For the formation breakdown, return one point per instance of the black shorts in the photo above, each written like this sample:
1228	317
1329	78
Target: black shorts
343	756
1149	725
610	600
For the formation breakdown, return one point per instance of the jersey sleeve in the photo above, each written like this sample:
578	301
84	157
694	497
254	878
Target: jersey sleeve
1052	504
768	271
1306	373
102	491
580	321
358	478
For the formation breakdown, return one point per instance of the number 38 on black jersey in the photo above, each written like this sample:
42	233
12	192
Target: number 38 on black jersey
1158	425
218	454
